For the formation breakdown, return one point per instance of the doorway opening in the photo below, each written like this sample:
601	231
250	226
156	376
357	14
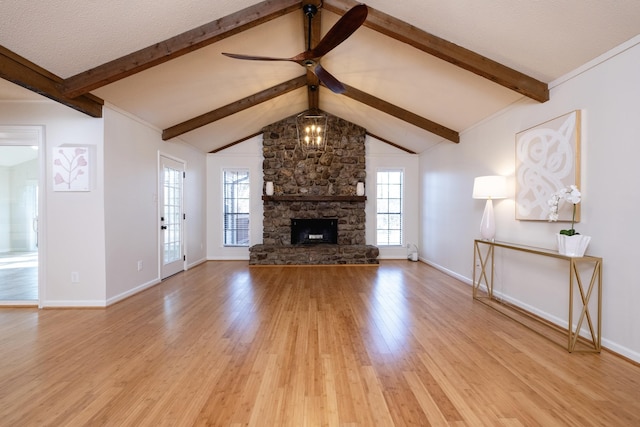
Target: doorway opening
20	214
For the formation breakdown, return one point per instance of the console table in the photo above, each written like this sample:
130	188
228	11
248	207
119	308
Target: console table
484	262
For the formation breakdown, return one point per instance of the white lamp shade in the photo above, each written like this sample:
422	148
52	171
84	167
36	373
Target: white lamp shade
490	187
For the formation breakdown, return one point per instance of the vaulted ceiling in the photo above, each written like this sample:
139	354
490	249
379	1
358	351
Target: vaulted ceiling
417	73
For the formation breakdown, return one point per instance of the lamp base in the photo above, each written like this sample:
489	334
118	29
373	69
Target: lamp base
488	224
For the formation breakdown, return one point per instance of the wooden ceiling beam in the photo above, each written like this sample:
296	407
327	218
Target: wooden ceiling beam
177	46
447	51
402	114
25	73
234	107
313	84
313	90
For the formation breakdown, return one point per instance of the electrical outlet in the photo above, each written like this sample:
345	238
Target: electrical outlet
75	277
139	265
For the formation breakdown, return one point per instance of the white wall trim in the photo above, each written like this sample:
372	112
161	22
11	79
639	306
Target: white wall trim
195	263
74	304
131	292
19	303
596	61
448	272
390	256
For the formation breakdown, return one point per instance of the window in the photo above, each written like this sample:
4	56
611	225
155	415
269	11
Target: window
389	207
236	207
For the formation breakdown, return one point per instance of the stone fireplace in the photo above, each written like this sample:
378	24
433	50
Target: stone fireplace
310	185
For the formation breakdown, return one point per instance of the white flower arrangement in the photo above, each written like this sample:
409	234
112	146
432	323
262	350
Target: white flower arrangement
570	194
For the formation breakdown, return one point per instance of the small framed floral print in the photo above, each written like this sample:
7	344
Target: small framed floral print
71	169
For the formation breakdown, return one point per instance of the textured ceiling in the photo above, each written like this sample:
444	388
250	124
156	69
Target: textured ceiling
542	38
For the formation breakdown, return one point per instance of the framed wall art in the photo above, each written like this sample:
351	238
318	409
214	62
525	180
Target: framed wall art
71	169
547	159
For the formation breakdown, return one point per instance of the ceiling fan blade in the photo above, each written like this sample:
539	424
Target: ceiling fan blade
329	81
346	25
256	58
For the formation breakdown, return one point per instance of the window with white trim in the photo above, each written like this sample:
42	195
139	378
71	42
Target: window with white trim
389	190
236	207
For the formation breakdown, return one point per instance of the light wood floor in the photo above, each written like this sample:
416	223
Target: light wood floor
19	276
225	344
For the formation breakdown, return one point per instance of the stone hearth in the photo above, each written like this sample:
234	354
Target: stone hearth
313	254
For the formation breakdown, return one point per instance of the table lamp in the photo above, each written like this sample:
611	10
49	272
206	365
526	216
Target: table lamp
489	187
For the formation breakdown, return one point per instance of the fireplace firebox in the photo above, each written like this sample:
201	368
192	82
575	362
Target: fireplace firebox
314	231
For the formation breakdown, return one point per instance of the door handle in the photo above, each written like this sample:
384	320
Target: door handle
163	227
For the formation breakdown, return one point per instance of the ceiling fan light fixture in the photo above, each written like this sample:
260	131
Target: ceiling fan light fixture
310	58
311	126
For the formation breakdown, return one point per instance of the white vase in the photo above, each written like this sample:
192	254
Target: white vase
268	188
488	223
360	189
574	246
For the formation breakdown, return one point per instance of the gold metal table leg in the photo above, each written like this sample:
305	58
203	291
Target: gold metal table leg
585	298
483	261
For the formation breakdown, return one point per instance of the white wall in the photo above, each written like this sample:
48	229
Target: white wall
384	156
73	236
248	155
607	92
132	226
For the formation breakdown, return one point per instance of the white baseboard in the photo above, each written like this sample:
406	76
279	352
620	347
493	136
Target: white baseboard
196	263
622	351
132	292
74	304
448	272
19	303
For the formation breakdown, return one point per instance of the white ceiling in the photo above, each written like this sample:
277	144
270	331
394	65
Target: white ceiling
542	38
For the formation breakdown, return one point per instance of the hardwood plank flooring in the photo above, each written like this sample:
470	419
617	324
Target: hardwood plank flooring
225	344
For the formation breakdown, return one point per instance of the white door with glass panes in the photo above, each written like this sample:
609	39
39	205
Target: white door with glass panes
171	217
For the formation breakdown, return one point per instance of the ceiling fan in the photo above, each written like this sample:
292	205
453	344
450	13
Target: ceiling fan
310	58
